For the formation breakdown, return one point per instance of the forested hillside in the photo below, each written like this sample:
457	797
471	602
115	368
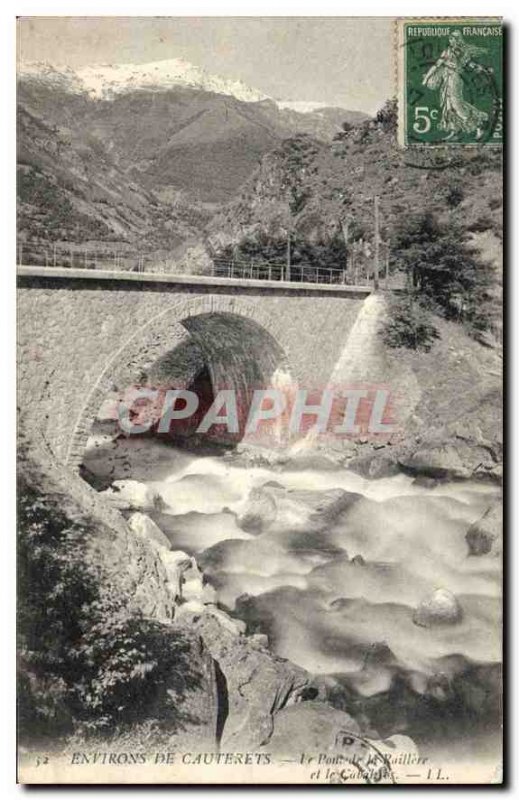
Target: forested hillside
434	205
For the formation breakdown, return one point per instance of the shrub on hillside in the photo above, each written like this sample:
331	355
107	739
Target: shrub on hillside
347	127
409	325
455	195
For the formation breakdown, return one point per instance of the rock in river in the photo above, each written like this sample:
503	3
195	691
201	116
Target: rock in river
439	608
272	507
485	537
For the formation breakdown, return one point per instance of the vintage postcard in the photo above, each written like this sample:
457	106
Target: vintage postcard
260	373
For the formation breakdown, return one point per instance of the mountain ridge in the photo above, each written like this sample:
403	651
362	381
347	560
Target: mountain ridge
106	81
87	164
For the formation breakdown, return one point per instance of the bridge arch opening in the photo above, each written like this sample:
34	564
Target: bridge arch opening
221	352
204	352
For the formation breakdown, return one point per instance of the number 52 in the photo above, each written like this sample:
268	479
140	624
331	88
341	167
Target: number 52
423	117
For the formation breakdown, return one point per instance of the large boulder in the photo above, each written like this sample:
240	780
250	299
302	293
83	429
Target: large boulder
438	461
186	581
175	562
254	684
260	511
194	587
485	537
184	577
144	526
308	727
315	727
439	608
272	507
452	434
469	447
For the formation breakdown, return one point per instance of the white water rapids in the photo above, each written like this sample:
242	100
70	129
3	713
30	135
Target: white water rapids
319	609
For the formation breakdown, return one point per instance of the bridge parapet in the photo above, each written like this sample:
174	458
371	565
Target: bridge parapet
173	280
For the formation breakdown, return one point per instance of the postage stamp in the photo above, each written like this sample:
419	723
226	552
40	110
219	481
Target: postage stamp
450	82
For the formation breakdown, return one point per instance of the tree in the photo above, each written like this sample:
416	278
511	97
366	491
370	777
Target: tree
298	155
443	269
387	116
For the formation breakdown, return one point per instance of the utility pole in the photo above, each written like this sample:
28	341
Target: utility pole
353	263
388	245
376	264
287	276
345	224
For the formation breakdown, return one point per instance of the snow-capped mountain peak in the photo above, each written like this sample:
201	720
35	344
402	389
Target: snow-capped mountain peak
107	80
302	106
61	77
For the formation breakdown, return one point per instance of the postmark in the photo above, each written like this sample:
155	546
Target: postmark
362	760
450	82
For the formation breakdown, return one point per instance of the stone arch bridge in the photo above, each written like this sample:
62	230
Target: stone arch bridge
85	333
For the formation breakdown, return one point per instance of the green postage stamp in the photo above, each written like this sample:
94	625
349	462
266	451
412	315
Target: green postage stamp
450	82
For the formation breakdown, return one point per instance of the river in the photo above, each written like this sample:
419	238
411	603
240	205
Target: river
338	600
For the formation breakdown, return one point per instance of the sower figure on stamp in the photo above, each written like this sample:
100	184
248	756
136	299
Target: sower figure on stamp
458	116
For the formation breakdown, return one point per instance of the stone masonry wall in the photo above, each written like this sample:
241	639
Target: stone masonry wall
80	337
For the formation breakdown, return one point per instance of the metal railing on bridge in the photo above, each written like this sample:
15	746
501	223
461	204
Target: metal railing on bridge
255	269
76	256
82	257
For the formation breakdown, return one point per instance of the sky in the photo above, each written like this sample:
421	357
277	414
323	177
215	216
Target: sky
340	61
